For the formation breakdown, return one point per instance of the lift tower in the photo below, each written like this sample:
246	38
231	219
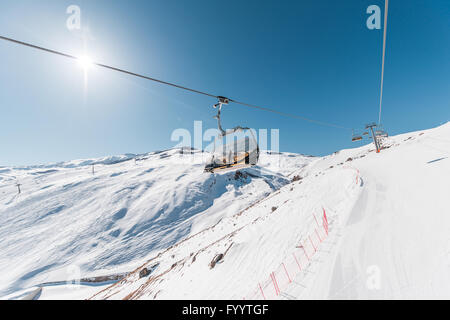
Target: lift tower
374	136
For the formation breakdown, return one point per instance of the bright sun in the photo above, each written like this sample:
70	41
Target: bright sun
85	62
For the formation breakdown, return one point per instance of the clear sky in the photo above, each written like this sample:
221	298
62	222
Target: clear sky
314	58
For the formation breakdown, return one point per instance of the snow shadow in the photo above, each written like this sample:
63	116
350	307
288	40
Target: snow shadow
436	160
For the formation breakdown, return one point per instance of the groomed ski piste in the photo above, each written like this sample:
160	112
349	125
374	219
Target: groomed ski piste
352	225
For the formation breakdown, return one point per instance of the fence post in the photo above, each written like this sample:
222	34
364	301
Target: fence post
325	215
299	266
325	228
325	221
262	292
289	278
316	220
315	250
304	250
275	284
317	233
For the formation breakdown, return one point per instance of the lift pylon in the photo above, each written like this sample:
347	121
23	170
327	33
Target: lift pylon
371	127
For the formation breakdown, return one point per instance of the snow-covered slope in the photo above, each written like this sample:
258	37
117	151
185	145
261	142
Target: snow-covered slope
387	233
107	215
395	241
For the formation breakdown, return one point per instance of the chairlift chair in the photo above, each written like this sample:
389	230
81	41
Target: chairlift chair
356	137
380	132
232	156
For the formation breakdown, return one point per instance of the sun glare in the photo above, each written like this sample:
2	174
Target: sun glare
85	62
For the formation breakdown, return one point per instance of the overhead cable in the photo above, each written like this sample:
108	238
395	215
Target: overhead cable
322	123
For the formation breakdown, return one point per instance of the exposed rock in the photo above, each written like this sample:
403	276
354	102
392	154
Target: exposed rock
143	273
239	175
215	260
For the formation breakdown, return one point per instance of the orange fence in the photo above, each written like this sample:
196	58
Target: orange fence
356	171
298	262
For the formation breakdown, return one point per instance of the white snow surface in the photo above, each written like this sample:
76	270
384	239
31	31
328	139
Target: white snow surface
106	216
388	213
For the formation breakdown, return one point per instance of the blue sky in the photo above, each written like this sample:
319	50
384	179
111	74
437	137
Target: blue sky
314	58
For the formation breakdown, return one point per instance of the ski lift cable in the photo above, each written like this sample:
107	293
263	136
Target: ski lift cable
386	10
105	66
291	115
172	84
